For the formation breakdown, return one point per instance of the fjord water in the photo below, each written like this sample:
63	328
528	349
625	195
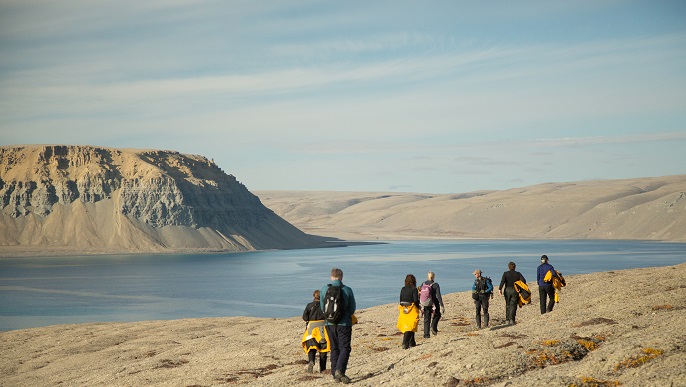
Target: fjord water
41	291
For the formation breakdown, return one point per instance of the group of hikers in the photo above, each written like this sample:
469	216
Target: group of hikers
330	316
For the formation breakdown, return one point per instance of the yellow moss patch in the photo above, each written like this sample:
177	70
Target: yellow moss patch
550	343
590	345
646	355
480	381
541	359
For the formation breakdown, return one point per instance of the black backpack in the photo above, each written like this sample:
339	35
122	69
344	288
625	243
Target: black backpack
334	307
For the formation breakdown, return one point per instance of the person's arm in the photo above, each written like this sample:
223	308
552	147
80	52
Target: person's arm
351	302
502	282
415	298
306	313
539	276
322	302
438	295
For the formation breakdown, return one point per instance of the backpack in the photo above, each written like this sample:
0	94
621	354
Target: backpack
333	305
426	295
489	285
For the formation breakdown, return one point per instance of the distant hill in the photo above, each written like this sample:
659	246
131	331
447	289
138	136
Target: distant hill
71	199
651	208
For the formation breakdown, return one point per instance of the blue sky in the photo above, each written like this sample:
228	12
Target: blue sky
434	97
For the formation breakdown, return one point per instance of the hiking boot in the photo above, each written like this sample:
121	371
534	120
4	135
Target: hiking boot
310	367
337	376
344	379
435	332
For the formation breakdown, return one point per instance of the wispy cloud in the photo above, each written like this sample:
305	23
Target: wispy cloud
317	87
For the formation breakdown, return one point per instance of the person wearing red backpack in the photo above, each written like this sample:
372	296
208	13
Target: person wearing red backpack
430	296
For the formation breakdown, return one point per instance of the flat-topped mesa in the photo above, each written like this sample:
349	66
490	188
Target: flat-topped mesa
127	199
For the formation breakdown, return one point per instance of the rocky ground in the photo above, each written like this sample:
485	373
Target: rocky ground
614	328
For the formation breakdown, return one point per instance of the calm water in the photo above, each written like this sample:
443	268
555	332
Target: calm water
56	290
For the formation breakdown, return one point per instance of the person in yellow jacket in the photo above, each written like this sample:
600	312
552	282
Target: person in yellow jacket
408	311
315	338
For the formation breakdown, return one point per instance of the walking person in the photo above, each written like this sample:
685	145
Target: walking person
545	288
430	296
482	292
408	311
338	306
315	339
511	297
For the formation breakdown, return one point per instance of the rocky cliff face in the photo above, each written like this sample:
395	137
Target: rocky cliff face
83	197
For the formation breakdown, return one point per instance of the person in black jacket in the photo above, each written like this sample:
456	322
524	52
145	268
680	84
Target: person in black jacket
313	313
509	278
409	296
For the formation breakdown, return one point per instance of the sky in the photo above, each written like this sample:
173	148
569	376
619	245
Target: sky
399	96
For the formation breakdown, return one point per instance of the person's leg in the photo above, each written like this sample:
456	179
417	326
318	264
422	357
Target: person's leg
477	304
514	298
334	343
322	361
427	322
484	306
542	293
406	340
435	319
511	306
345	334
551	298
413	343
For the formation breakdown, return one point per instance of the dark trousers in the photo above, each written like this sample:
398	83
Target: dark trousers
511	302
322	358
543	292
482	303
408	340
340	337
431	320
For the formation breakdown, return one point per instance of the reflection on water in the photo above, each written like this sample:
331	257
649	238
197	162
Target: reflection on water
56	290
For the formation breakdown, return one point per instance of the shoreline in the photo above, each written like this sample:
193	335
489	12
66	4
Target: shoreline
603	329
7	251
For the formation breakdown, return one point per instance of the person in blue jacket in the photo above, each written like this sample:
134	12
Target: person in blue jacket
482	291
545	289
340	334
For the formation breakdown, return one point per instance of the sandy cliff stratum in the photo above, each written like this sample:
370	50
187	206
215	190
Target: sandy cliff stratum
98	200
